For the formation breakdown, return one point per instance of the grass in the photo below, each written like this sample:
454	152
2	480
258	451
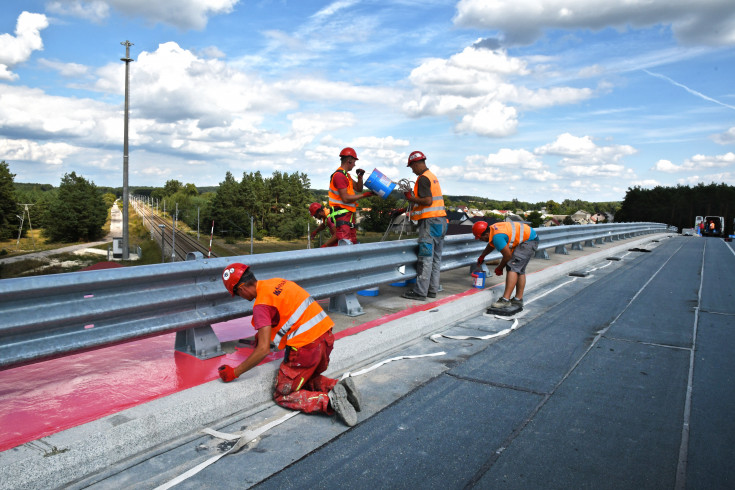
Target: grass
151	251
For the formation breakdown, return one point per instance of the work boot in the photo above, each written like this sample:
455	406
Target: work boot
431	295
342	406
411	294
502	304
516	302
352	394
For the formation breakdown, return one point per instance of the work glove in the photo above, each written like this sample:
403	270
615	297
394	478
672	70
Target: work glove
323	246
368	194
227	373
313	235
397	212
408	195
498	271
360	172
481	259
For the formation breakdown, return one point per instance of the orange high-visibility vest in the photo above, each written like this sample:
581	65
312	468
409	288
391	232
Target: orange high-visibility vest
518	232
301	321
436	208
334	197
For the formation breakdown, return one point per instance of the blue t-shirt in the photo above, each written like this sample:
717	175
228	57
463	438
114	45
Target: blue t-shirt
500	240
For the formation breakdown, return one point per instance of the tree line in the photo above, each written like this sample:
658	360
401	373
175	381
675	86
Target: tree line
679	206
77	209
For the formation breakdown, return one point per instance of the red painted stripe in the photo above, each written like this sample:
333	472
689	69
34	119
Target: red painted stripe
41	399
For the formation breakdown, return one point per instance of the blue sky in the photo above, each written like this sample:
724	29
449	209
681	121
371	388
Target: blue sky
534	100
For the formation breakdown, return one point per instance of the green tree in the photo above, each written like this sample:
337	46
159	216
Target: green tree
378	217
8	203
535	218
78	212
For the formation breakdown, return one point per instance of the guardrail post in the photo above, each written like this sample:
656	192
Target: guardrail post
599	241
589	243
561	249
542	254
577	246
346	304
200	342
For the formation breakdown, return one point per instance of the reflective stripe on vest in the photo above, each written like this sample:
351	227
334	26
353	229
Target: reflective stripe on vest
335	199
436	208
301	319
517	232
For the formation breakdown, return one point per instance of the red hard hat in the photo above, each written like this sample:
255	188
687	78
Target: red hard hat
415	157
478	229
232	275
348	152
314	207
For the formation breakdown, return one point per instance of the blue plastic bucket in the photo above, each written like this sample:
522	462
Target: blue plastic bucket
369	292
380	184
478	280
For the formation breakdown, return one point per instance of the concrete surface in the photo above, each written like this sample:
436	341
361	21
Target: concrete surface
94	451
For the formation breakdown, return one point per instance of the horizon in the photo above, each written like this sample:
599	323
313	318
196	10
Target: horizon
571	98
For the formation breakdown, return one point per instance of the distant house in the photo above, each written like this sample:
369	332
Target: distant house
598	218
582	217
466	226
551	221
457	217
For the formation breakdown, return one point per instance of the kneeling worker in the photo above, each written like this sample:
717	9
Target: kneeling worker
286	314
517	243
318	212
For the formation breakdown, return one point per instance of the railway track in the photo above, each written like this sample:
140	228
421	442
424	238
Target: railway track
174	249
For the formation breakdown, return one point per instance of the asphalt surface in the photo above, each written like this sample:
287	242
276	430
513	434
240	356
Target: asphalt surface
621	379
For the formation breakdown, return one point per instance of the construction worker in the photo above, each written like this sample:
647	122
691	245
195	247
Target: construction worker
342	197
517	243
428	210
284	313
327	221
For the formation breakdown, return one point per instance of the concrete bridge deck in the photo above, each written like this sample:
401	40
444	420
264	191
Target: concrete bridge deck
600	385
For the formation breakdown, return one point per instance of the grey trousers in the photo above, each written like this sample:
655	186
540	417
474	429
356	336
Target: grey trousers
431	242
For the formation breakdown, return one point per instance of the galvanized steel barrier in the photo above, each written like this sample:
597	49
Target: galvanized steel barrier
49	316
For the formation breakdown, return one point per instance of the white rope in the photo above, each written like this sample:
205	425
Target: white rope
377	365
247	436
502	333
241	439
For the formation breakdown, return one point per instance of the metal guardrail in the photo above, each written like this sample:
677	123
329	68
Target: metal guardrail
49	316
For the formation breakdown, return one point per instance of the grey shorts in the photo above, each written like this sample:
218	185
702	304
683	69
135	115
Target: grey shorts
522	256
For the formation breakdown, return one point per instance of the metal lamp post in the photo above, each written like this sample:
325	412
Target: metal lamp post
127	61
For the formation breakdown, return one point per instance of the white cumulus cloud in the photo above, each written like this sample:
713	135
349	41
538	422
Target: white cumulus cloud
183	14
709	22
17	49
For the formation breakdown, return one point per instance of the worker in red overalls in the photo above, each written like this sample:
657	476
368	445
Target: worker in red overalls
327	221
287	315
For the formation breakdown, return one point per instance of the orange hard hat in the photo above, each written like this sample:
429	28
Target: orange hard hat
314	207
348	152
415	156
232	274
478	229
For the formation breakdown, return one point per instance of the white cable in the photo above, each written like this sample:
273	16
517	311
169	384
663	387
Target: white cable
250	435
502	333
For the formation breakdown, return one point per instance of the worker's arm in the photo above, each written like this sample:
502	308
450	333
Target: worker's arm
350	198
358	185
262	348
424	198
507	255
488	248
318	229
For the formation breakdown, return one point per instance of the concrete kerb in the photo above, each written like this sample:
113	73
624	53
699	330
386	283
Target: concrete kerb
75	453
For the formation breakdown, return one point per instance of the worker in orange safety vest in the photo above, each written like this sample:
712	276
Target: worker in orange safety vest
428	210
343	198
285	314
517	243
